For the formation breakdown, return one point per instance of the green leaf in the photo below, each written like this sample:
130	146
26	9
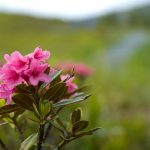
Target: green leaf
29	142
36	110
71	100
55	75
47	109
33	116
55	78
80	125
76	115
9	108
9	121
90	132
94	130
80	89
24	100
19	112
2	102
23	88
56	92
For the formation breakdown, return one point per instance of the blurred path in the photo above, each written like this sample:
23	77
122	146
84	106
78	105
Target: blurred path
118	54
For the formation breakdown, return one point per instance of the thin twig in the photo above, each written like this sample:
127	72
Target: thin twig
3	146
66	141
40	137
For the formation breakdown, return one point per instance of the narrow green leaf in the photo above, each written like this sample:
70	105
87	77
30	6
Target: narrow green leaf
19	112
90	132
78	90
71	101
29	142
9	108
23	88
24	100
80	125
55	75
76	115
9	121
55	78
36	110
95	129
55	92
33	116
46	109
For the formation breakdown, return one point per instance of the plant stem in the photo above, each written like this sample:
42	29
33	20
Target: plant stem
40	136
47	131
64	142
3	146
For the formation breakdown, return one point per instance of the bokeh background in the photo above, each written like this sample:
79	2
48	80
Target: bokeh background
113	40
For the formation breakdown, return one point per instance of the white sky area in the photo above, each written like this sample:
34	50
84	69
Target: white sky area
68	9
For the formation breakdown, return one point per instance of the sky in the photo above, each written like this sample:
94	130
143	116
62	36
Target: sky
68	9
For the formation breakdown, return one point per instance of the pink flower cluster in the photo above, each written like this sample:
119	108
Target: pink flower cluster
80	70
29	69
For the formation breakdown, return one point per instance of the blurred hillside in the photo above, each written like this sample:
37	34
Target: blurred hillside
22	32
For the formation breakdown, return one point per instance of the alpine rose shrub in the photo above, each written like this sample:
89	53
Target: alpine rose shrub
29	84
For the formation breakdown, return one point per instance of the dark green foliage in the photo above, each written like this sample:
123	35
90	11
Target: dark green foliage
22	88
24	100
9	108
56	92
29	142
76	115
80	125
72	100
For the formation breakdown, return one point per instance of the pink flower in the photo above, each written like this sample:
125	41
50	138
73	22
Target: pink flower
71	86
10	76
83	70
6	93
39	54
36	72
17	61
66	66
80	70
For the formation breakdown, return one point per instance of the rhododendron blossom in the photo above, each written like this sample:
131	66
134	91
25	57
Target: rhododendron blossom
18	69
36	72
10	76
6	92
79	69
71	86
83	70
17	61
39	54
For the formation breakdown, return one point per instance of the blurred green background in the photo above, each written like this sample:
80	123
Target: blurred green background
117	47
